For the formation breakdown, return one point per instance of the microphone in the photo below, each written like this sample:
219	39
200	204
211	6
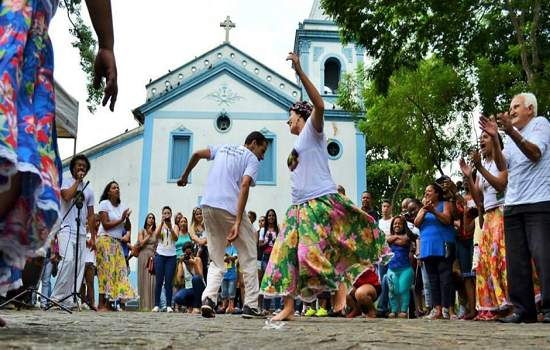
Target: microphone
79	196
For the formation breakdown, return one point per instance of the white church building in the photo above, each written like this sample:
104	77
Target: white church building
220	97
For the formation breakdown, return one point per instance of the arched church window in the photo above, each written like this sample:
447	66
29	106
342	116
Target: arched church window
223	123
332	76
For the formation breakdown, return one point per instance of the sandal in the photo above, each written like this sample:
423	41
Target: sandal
453	317
333	313
392	315
480	316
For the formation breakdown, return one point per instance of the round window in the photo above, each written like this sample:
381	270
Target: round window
223	123
334	149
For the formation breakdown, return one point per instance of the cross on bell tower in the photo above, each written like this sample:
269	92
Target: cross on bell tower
227	25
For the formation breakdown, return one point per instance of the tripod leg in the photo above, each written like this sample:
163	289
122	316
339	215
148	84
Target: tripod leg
15	298
53	303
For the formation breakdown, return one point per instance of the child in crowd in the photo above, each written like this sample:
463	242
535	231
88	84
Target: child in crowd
229	279
365	292
400	273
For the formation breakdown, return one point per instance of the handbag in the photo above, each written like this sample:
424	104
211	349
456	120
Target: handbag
151	265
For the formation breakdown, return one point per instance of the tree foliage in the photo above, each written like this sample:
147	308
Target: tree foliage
421	124
504	43
87	48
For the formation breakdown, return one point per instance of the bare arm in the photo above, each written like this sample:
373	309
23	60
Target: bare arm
489	125
107	225
198	267
243	198
69	193
105	64
317	116
420	217
197	155
445	216
91	224
476	193
127	236
529	149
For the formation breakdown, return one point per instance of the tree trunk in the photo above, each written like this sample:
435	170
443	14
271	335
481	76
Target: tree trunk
522	45
402	181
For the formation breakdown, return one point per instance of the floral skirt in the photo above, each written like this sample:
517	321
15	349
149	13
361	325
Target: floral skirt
491	282
112	273
28	140
322	243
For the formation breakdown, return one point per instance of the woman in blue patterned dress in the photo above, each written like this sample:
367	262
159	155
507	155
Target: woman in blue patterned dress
30	166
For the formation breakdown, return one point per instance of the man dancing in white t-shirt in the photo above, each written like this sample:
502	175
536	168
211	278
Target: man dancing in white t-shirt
234	171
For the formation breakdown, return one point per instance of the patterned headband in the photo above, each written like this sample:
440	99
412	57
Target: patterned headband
303	108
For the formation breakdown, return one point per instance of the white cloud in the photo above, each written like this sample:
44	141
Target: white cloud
150	39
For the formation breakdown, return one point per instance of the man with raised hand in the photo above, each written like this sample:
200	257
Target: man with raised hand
526	156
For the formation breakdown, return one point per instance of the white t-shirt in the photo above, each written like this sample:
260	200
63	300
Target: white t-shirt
114	214
231	163
529	182
385	226
491	198
308	163
413	228
89	255
166	245
69	224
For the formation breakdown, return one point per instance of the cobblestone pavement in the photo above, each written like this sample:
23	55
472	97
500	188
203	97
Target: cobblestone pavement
133	330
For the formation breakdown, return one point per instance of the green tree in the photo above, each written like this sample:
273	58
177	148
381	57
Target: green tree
87	47
503	43
421	124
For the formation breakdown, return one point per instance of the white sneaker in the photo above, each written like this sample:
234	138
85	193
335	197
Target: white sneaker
445	313
169	309
155	309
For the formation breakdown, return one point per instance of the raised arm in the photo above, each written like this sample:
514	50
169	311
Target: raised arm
197	155
477	195
317	116
105	64
490	127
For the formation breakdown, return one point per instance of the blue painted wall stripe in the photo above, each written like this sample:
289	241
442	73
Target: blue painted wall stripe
360	154
146	170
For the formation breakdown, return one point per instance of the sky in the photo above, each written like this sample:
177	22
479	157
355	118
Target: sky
151	39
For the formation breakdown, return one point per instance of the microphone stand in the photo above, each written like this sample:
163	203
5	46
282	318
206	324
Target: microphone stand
78	202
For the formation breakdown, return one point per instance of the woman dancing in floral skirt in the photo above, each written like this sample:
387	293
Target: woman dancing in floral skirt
325	242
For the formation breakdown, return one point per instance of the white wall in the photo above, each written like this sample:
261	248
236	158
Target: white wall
262	197
122	165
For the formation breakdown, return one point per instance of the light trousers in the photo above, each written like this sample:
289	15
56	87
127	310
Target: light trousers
64	284
218	224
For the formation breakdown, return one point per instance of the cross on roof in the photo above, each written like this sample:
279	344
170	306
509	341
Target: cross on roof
227	25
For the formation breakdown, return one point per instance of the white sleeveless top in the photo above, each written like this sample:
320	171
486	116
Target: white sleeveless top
491	198
166	246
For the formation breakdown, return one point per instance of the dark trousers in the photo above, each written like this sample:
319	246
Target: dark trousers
527	236
191	297
440	273
165	267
